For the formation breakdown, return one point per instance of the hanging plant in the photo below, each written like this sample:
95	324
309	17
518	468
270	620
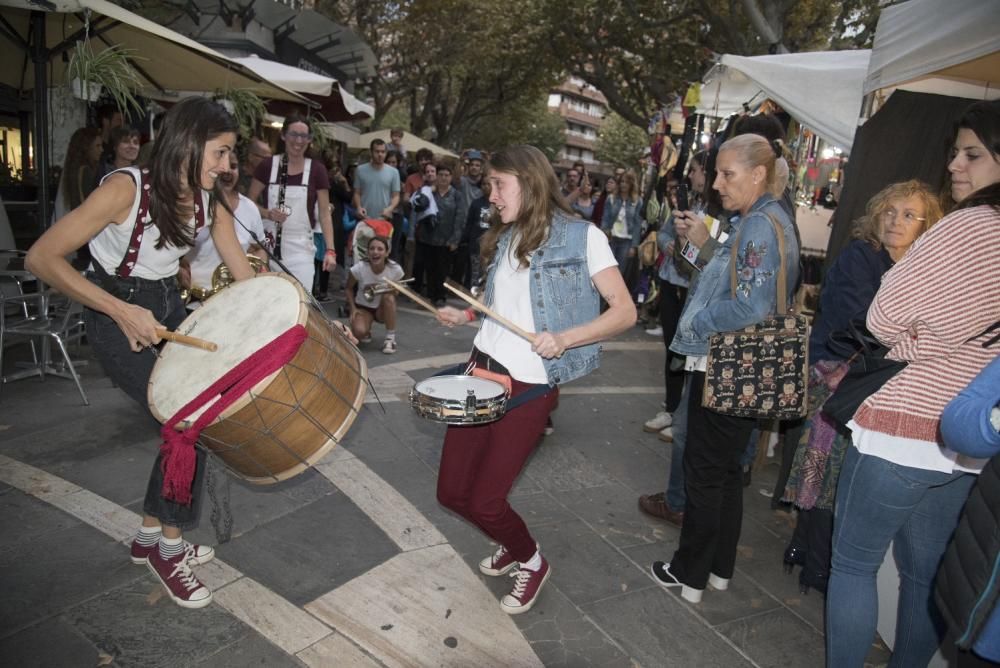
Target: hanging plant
322	137
247	110
110	71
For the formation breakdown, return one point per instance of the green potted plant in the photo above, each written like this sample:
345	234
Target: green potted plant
108	71
247	108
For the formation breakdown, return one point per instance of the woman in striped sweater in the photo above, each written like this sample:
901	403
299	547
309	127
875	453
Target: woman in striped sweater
899	484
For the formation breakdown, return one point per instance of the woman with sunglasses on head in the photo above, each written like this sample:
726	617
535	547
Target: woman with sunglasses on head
298	200
139	223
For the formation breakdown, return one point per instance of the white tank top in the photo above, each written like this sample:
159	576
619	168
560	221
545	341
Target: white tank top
112	243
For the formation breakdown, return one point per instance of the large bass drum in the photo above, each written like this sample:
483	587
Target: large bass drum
289	420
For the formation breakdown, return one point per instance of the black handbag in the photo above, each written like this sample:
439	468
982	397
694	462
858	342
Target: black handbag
760	371
869	370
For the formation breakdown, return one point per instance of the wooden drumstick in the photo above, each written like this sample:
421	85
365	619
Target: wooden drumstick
486	310
186	340
412	295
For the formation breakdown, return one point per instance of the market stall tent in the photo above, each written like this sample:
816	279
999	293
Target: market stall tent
411	142
820	89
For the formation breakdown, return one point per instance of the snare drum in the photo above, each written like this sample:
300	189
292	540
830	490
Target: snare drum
289	420
459	400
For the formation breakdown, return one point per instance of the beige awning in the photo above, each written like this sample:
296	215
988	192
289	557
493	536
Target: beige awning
167	62
411	142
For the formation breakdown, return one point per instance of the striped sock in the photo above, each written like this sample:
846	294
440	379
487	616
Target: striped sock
148	536
171	547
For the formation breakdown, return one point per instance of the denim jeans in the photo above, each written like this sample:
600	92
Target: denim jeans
675	494
620	249
879	502
131	371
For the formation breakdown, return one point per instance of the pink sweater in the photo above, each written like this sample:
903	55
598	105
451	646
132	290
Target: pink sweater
947	289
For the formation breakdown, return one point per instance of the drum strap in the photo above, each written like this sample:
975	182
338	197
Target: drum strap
178	445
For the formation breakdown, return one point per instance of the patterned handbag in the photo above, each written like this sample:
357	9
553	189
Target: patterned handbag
760	371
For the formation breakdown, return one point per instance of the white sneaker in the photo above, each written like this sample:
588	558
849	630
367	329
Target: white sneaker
662	420
666	435
655	331
717	583
389	347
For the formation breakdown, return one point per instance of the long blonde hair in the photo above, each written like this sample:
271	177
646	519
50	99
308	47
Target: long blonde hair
540	199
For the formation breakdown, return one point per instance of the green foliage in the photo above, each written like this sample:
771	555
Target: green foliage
247	109
109	68
530	124
620	142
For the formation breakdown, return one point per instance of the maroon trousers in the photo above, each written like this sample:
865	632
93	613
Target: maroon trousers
480	463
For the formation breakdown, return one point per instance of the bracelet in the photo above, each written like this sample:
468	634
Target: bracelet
470	314
330	251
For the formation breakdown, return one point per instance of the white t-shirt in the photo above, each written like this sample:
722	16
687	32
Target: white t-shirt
363	274
511	300
204	257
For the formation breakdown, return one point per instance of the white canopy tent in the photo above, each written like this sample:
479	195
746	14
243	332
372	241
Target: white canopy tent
411	142
822	89
946	48
339	105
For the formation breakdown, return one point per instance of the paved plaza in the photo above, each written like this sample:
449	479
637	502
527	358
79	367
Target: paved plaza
354	563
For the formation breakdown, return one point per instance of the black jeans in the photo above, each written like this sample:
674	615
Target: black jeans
131	371
713	481
672	299
436	261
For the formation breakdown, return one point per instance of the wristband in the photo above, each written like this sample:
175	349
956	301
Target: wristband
330	251
470	314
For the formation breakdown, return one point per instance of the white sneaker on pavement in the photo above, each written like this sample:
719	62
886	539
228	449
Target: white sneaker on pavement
662	420
655	331
666	434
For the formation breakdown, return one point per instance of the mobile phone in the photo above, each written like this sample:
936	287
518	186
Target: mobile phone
682	198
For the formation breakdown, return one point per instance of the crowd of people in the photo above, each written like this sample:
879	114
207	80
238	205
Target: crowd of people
500	225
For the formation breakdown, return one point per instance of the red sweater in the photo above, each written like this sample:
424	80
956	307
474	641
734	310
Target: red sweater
947	289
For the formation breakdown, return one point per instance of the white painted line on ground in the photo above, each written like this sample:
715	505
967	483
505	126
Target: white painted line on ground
337	650
397	517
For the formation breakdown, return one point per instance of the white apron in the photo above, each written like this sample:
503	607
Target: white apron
298	248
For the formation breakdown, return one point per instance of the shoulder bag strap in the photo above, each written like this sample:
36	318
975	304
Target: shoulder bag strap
781	295
124	269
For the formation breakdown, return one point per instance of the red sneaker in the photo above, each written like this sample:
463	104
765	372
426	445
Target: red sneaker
200	554
527	584
499	563
176	576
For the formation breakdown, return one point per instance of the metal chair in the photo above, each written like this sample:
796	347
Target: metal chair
49	319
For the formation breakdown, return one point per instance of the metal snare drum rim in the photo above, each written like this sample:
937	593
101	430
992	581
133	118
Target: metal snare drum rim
455	411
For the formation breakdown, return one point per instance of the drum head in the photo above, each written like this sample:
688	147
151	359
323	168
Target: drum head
241	319
456	388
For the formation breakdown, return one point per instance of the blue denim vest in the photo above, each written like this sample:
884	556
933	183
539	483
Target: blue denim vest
710	307
561	292
633	217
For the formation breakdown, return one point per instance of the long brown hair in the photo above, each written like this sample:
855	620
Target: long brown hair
179	150
78	156
540	199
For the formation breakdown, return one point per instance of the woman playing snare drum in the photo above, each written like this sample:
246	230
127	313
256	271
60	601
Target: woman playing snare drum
546	272
139	223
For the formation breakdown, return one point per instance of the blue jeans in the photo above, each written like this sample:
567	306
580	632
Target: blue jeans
879	502
620	249
675	495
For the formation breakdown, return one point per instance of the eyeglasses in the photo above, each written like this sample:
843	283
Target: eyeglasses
299	135
909	217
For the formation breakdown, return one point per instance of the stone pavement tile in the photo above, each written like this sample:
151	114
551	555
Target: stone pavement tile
539	510
43	577
776	638
760	558
612	512
658	630
564	468
563	636
584	567
251	650
24	519
337	650
53	642
78	440
308	552
138	625
254	505
120	475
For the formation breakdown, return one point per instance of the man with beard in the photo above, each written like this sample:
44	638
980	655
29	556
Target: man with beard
376	185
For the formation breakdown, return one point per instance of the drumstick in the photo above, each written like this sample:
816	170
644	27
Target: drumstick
412	295
483	308
186	340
